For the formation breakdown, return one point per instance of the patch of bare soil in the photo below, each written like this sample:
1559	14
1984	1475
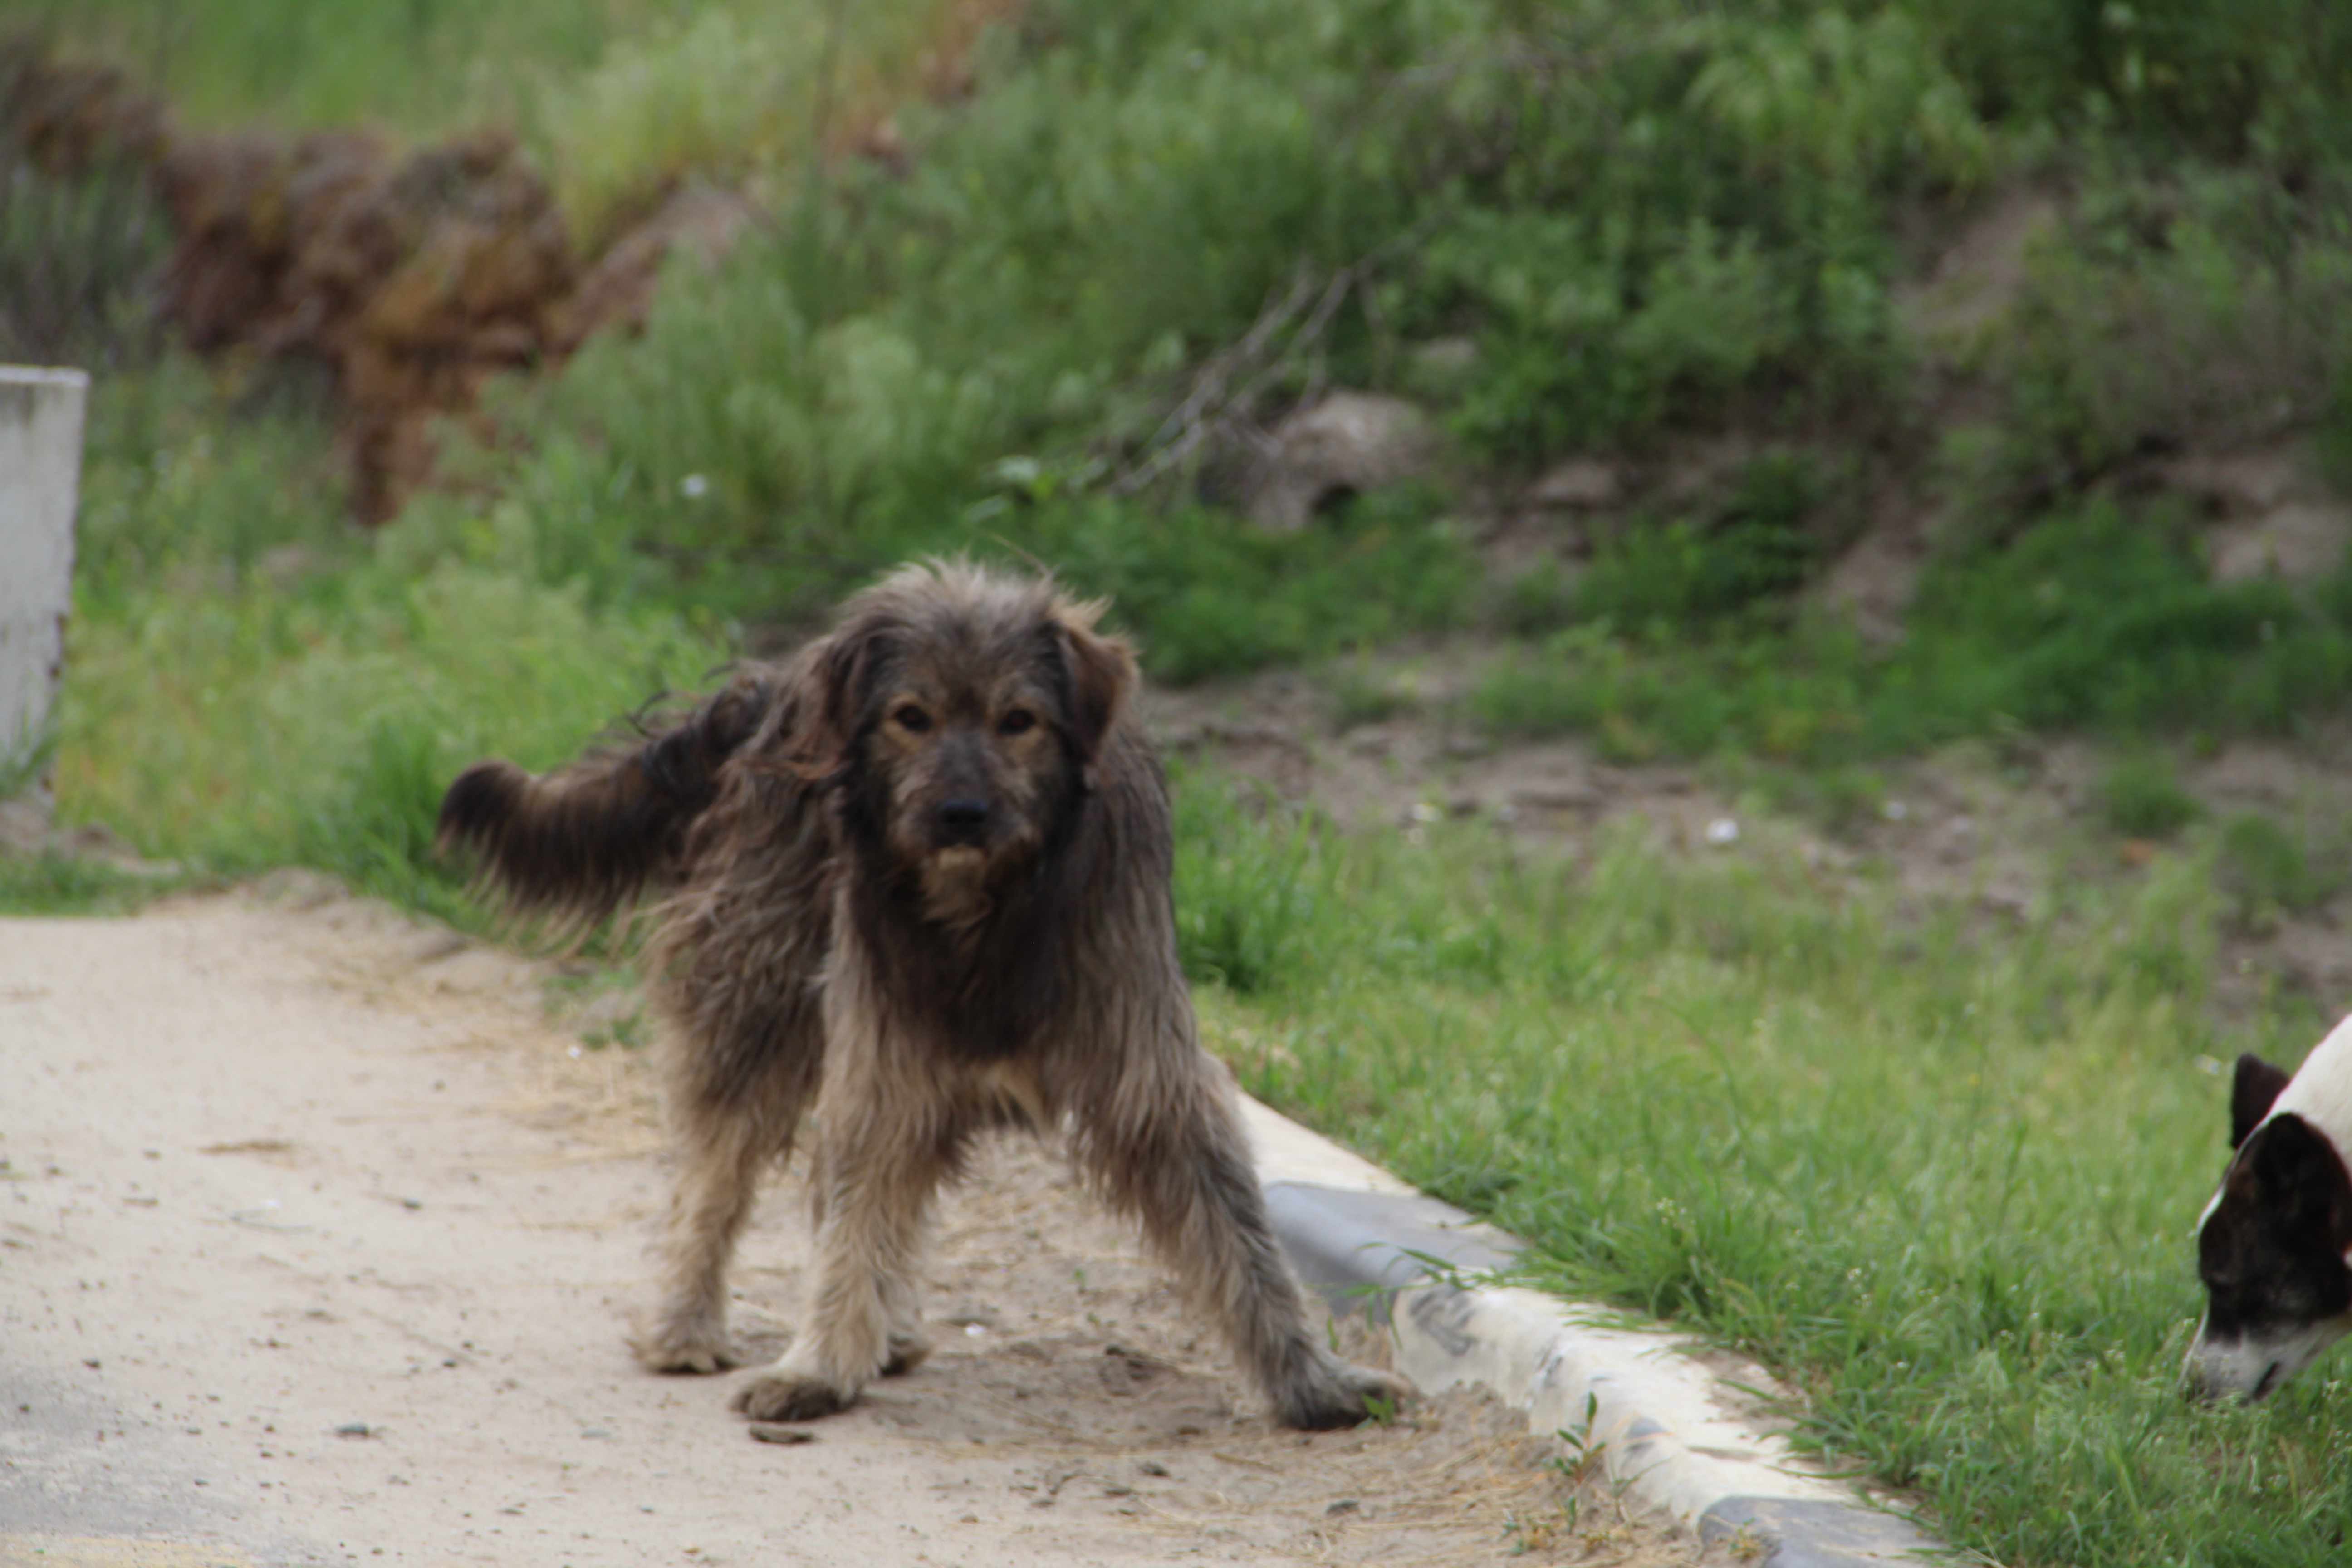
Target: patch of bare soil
318	1237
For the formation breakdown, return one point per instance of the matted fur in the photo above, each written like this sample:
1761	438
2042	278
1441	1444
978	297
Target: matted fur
917	888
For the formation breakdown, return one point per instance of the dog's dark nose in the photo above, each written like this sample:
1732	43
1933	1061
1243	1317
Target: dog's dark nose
962	819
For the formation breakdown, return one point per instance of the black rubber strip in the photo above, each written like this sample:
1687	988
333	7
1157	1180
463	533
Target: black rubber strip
1356	1247
1813	1533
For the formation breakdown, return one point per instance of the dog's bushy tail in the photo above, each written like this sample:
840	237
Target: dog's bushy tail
581	843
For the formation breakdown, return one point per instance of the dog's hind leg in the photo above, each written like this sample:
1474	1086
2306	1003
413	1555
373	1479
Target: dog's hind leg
1166	1143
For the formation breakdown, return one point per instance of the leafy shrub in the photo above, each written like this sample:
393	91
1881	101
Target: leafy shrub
710	97
1209	594
79	259
2141	798
2100	619
1539	599
2197	304
1764	545
2268	870
1362	694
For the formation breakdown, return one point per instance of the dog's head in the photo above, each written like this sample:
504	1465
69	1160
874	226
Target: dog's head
2272	1248
960	713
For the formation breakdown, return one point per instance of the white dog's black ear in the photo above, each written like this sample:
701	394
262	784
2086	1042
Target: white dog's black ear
2251	1094
2300	1182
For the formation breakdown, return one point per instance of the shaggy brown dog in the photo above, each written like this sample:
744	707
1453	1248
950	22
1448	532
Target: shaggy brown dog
919	887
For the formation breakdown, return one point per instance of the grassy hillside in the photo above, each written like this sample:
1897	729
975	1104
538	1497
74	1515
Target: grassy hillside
1986	289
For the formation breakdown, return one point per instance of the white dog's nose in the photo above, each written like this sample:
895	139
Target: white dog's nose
2250	1369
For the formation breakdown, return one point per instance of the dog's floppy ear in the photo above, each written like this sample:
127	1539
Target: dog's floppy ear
2252	1092
2299	1177
828	687
1102	678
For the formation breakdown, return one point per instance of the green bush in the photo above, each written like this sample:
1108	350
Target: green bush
2141	798
1362	694
2268	870
2191	305
79	259
2102	619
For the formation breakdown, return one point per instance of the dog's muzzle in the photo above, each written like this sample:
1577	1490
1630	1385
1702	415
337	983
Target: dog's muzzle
962	822
2253	1367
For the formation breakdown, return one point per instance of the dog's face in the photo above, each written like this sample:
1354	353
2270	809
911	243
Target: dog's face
966	709
2271	1248
969	758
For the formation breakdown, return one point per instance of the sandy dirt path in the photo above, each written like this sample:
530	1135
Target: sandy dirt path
319	1241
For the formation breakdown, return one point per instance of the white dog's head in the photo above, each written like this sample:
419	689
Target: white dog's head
2273	1246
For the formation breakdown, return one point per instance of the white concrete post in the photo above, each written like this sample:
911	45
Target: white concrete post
40	474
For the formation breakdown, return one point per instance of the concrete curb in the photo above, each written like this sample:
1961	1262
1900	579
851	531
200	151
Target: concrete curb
1669	1419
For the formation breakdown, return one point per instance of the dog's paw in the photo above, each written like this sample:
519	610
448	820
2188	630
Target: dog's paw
909	1348
685	1345
781	1395
1339	1395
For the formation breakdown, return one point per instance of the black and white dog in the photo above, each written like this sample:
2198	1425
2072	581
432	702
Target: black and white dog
2272	1246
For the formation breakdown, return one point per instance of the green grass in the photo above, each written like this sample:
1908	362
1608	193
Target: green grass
2269	870
55	884
2099	619
254	683
2141	798
255	727
1941	1174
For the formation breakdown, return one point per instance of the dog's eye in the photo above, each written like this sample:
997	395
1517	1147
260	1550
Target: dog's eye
1019	722
912	719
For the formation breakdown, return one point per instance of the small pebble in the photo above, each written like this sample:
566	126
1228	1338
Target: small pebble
774	1431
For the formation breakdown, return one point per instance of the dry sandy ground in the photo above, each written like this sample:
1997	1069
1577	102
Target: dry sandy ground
319	1241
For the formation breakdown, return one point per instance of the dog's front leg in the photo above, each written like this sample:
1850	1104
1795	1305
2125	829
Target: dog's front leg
1175	1152
878	1171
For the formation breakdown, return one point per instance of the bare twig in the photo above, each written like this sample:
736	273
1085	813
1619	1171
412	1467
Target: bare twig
1284	342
